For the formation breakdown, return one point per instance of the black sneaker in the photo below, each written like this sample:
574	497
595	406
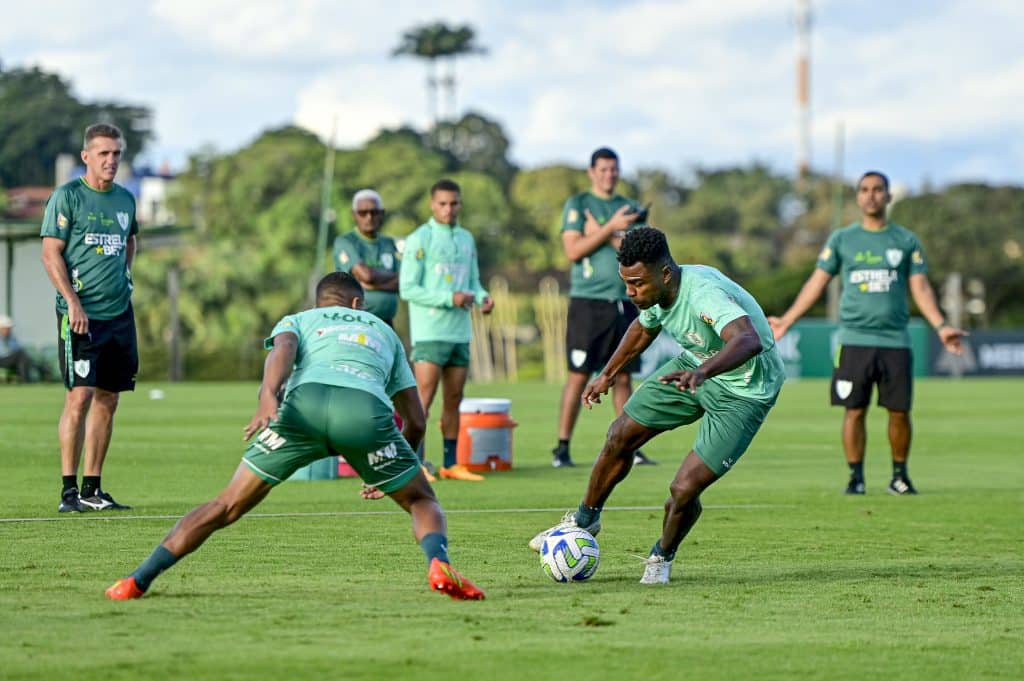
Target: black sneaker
69	502
641	459
561	457
855	486
900	486
101	501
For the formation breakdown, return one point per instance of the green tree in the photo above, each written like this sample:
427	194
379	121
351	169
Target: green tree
475	143
41	118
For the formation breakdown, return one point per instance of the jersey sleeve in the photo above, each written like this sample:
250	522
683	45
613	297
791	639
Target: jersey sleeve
828	259
288	324
412	276
58	215
649	319
401	375
478	289
717	308
572	215
345	255
918	263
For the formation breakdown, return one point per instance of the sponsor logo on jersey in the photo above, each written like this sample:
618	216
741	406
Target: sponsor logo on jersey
893	256
843	389
825	254
383	455
873	281
343	258
695	338
572	216
917	258
419	254
124	220
868	257
76	283
62	221
106	244
269	440
706	318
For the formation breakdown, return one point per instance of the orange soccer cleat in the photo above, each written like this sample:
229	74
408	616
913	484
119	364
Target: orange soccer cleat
460	472
124	590
443	577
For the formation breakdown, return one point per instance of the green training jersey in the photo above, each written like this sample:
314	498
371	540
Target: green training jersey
95	227
875	267
597	275
437	261
352	249
345	347
707	301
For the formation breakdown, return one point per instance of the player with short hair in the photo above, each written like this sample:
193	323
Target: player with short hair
593	223
344	368
370	256
440	279
728	376
89	244
878	262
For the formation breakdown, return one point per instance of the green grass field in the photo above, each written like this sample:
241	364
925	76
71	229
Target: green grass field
784	577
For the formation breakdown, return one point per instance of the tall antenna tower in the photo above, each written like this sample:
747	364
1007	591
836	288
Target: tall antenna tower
803	85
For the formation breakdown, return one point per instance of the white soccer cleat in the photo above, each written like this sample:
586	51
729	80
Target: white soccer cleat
568	522
656	570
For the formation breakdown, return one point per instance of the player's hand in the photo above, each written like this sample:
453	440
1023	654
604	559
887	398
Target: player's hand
685	380
78	320
463	299
779	327
597	387
951	338
370	493
487	305
590	225
264	416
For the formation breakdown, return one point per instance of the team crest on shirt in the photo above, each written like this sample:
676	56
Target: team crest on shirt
62	221
578	357
82	367
843	389
123	220
695	338
573	215
387	260
706	318
343	258
825	254
917	258
893	256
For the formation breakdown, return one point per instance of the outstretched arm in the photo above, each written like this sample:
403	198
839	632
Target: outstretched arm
924	297
808	296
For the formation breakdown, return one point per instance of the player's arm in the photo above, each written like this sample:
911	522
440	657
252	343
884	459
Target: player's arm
414	420
57	270
276	370
636	339
375	279
924	297
579	244
412	275
808	296
741	343
130	249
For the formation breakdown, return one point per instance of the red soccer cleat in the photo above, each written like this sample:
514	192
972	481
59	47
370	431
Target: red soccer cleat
443	577
124	590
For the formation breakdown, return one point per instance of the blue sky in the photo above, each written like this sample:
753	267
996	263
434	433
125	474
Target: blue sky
928	91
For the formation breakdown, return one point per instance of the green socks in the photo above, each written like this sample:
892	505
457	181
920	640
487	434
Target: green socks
435	545
158	561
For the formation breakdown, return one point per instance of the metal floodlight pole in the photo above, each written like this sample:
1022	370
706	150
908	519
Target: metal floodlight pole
325	212
803	86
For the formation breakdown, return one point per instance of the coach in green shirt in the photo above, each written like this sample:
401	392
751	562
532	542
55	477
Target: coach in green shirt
878	263
89	241
369	256
727	376
440	279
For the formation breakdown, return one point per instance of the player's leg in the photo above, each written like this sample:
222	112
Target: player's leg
568	414
427	373
71	435
895	393
99	426
853	377
453	383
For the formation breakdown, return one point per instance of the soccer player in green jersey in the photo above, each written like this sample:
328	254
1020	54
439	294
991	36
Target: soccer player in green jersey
878	262
593	223
345	371
89	243
371	257
440	278
728	376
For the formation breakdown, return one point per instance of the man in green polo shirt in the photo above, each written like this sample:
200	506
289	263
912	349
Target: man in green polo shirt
89	242
878	262
728	376
593	223
345	371
369	256
440	279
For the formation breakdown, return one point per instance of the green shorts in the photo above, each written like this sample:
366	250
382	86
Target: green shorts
729	424
441	353
317	420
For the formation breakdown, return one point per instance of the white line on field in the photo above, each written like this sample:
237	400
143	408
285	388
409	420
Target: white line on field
113	515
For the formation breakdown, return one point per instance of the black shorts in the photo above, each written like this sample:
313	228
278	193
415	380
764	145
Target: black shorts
106	358
594	330
860	367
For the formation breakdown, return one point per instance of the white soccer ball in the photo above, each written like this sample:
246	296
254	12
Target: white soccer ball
570	555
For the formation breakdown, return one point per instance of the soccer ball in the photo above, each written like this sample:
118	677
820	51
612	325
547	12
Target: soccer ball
570	555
